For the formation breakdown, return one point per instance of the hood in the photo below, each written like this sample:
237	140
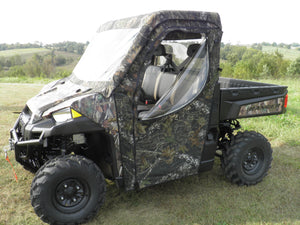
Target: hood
56	95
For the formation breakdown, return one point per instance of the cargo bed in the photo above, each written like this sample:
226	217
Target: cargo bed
241	98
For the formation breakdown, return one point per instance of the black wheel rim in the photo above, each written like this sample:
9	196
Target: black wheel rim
71	195
253	161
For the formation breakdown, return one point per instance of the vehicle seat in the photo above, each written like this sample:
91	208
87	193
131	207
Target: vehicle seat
191	51
169	65
156	82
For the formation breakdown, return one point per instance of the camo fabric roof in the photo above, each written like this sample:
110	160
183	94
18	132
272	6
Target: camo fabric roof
147	24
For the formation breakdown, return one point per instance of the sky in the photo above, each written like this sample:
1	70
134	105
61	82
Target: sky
51	21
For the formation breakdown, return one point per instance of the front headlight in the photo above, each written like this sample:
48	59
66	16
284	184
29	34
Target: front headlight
62	115
65	114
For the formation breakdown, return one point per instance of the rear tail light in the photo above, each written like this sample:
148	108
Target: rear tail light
286	100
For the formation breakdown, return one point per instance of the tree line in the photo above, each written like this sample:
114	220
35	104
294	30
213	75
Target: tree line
274	44
236	61
5	46
68	46
243	62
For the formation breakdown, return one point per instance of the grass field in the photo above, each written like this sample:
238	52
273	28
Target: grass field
23	52
291	54
26	80
207	198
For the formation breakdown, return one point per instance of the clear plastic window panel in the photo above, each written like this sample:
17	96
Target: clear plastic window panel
189	84
104	54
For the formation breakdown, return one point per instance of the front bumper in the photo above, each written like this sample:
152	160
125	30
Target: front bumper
36	142
24	140
26	136
15	141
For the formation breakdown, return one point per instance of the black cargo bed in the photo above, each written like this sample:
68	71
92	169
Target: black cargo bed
242	98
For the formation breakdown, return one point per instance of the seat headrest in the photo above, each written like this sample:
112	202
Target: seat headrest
160	50
192	49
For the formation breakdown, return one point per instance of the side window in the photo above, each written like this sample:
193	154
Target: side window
177	76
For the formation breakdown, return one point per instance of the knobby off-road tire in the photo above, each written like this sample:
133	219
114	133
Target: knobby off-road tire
248	158
68	190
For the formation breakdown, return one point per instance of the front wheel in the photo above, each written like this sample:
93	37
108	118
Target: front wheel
248	158
68	190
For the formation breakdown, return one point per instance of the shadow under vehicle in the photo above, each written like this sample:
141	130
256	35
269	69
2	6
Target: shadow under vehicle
144	105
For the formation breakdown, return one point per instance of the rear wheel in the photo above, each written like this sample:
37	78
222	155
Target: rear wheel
68	190
248	158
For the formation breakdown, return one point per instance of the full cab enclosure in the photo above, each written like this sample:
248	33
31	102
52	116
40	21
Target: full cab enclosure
143	106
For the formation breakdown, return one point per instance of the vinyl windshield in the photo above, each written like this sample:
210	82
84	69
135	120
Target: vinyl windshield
104	55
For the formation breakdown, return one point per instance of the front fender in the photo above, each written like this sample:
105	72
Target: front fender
99	109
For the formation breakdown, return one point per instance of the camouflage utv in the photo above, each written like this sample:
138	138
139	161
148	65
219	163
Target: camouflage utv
144	105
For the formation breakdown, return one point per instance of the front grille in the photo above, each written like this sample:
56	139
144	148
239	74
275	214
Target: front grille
36	135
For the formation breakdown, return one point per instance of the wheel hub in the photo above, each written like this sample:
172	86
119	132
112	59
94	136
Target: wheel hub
252	161
70	193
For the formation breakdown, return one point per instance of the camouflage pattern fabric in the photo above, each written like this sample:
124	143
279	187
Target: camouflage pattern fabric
103	112
260	108
170	147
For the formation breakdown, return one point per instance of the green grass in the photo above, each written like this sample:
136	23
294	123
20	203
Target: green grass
207	198
23	52
291	54
27	80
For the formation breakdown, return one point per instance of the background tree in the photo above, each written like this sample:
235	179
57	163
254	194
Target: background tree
294	68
